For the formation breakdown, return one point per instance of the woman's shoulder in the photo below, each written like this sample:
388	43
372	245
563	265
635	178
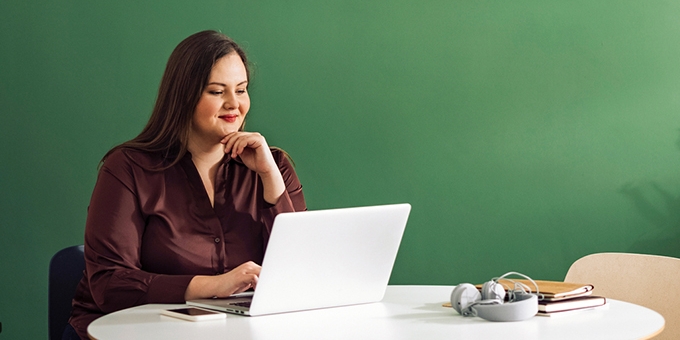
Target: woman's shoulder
280	156
277	152
128	157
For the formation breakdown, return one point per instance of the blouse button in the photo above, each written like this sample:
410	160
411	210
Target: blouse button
217	240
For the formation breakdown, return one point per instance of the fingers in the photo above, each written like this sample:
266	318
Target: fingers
249	268
252	149
236	142
250	282
247	276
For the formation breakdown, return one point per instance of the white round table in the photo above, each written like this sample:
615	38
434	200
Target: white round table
406	312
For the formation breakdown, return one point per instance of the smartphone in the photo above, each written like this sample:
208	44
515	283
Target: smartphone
194	314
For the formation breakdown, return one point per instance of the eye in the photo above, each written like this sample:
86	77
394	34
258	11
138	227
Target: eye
216	93
241	91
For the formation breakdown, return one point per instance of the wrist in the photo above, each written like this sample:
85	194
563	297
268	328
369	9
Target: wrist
200	287
273	187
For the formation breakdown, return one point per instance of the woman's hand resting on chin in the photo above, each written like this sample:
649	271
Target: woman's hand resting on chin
254	151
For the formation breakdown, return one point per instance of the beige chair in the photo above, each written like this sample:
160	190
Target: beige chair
647	280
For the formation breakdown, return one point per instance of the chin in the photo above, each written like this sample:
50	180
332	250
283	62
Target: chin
230	130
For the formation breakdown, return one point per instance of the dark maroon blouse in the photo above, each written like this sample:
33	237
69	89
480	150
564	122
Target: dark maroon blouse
148	233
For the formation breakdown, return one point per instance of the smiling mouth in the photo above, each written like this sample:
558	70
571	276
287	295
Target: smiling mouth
229	118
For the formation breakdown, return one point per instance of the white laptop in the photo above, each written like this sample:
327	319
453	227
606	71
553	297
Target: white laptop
323	258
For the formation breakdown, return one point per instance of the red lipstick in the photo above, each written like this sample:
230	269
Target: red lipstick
229	118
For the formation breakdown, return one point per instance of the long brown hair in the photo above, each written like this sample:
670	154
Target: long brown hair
185	77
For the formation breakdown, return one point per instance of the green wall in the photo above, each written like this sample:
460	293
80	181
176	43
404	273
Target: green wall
525	134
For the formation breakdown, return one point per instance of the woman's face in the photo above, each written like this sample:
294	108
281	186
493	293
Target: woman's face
224	102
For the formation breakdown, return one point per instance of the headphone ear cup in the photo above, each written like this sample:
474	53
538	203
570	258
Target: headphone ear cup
492	290
464	295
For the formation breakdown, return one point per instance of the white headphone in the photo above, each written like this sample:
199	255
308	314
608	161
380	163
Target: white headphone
489	304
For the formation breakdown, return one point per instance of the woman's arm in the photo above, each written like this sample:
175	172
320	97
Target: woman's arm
113	241
255	153
235	281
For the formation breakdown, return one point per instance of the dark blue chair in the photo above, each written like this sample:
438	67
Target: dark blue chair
66	270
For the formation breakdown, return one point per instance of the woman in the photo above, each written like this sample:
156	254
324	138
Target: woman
185	209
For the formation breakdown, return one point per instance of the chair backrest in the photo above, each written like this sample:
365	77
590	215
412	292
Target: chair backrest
646	280
66	270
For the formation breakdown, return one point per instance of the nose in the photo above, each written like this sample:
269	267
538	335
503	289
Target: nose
230	101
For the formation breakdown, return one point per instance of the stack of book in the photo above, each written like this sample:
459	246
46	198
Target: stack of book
561	298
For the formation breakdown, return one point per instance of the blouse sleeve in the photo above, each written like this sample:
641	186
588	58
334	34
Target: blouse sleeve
113	236
292	199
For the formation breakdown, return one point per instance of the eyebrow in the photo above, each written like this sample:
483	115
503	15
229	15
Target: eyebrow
225	85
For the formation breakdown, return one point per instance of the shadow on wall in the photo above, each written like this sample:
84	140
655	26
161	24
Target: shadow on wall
662	209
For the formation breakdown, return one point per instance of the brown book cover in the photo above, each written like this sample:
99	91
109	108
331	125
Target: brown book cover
551	290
